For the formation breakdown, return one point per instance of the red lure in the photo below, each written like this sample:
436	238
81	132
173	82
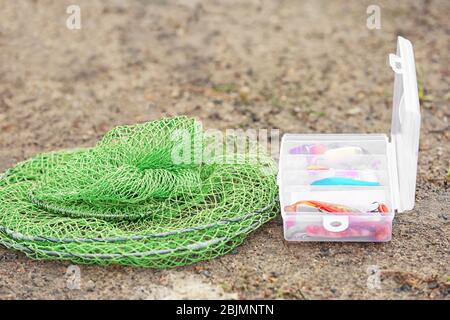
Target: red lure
322	206
331	207
379	232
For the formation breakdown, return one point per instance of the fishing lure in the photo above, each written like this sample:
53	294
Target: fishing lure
308	149
321	206
377	231
341	152
380	207
340	181
307	205
316	167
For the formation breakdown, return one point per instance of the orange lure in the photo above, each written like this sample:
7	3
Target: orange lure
322	206
382	208
332	207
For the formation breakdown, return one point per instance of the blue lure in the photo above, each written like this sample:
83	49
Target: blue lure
343	182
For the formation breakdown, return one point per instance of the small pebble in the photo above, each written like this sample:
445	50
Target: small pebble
405	287
354	111
433	285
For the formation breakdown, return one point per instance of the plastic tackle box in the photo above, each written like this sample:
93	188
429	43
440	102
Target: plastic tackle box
348	187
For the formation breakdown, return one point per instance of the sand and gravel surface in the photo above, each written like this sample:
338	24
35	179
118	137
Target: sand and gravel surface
299	66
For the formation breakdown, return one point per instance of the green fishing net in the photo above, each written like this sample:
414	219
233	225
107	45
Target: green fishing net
154	194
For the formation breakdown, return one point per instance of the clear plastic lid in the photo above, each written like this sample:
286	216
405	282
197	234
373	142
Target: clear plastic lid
405	129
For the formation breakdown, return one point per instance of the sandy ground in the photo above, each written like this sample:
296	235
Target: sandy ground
300	66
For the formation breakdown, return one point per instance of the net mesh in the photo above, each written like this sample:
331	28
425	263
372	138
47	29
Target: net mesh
142	196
